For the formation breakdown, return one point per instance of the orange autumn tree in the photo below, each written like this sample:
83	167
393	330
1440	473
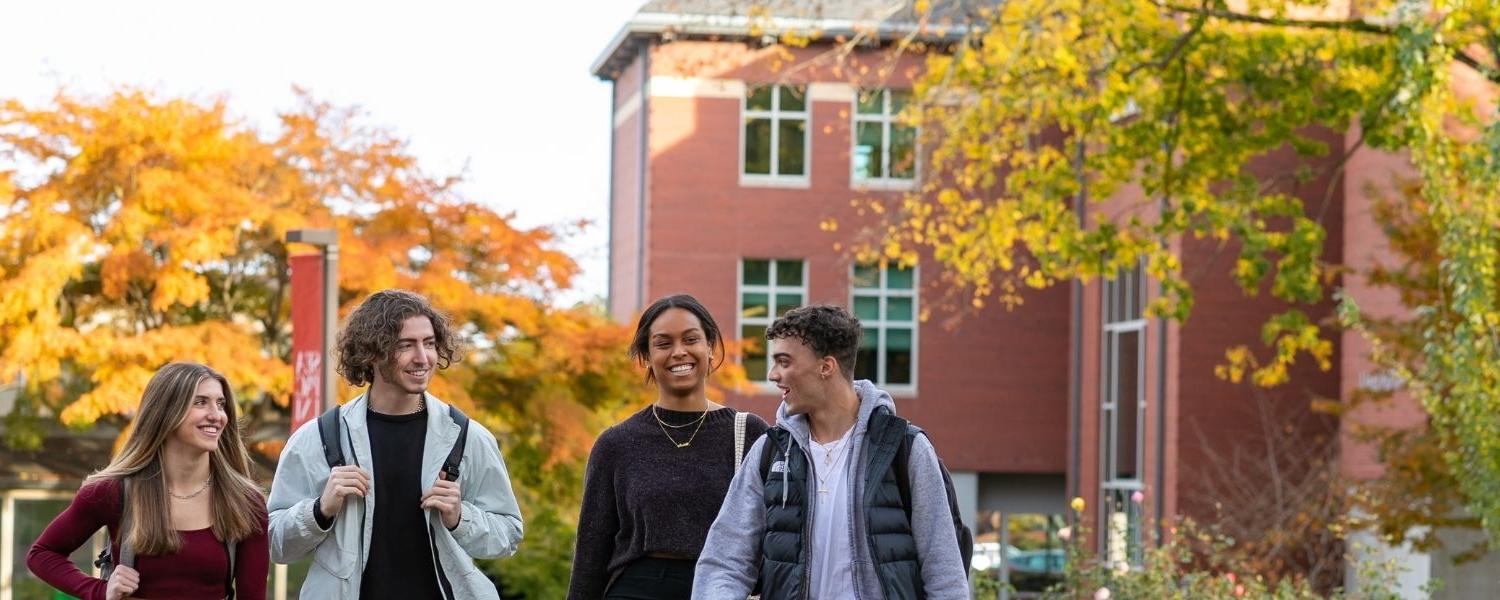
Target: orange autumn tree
139	230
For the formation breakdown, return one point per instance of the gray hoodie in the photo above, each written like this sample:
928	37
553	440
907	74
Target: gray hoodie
730	563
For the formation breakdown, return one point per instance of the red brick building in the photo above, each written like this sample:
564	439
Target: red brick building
730	158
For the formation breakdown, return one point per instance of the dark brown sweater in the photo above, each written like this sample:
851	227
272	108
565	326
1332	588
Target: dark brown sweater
643	495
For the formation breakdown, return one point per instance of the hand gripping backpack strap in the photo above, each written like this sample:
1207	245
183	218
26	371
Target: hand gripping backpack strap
456	455
106	559
739	439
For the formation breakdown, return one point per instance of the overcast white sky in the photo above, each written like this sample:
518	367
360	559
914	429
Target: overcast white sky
503	86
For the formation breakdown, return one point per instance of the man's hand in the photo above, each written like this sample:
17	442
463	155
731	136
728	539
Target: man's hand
447	499
122	583
344	482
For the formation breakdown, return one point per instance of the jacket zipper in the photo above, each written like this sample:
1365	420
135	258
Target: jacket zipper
807	534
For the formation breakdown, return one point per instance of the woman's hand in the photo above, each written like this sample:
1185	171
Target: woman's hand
122	583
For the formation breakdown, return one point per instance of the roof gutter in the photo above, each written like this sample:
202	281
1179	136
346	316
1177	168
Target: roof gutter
650	25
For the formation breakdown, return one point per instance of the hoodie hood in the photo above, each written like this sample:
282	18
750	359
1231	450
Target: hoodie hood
870	397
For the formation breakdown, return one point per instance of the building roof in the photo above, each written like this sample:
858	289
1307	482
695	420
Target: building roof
67	457
883	19
61	463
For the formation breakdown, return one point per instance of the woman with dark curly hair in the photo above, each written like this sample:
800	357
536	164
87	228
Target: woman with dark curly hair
424	526
655	480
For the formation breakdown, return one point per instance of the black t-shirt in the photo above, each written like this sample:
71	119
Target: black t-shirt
402	559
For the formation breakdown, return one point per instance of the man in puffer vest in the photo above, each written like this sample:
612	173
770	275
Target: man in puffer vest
824	519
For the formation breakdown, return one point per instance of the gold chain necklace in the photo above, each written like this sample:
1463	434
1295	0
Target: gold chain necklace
666	424
194	494
701	418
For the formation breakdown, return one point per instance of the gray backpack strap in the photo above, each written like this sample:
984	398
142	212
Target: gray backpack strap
232	549
127	554
739	439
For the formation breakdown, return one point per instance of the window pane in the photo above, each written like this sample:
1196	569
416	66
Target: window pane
1128	399
868	151
898	356
793	97
786	302
758	97
789	159
867	308
757	272
864	361
753	338
866	276
789	273
870	102
897	278
897	309
903	152
898	338
899	100
754	305
758	146
32	516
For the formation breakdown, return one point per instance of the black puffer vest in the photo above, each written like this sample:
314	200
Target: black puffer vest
785	572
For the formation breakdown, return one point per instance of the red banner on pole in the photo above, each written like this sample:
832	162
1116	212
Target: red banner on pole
307	338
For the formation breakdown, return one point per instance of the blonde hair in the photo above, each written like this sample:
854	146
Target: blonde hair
237	501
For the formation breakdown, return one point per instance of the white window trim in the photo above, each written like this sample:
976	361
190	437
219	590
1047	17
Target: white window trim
887	120
1109	408
770	290
775	179
8	500
880	326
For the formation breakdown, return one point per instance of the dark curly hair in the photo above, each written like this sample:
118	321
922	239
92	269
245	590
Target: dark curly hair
369	335
827	330
640	344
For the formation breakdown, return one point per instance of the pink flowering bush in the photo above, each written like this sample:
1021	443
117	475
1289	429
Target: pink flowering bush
1192	565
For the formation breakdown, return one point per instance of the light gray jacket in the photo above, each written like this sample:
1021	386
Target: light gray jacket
490	525
730	563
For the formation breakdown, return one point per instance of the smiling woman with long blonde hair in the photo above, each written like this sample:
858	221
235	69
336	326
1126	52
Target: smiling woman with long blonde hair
184	476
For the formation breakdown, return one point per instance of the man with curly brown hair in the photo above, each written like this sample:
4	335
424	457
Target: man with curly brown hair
395	523
849	502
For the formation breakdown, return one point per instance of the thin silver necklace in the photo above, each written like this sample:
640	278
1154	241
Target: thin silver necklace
194	494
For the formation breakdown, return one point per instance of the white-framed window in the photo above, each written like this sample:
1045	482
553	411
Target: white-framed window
23	516
884	297
885	149
768	288
1122	415
774	143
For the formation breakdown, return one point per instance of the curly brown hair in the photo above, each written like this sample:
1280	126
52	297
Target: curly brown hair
369	336
827	330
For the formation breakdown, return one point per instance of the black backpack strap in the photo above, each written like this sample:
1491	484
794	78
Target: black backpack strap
456	455
328	433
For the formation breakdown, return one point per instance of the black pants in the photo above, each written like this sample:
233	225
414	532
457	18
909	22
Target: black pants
654	579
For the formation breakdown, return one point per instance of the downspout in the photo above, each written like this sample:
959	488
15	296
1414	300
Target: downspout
640	230
1074	417
609	243
1161	419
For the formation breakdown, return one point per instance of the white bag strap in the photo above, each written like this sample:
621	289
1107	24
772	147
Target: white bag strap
739	439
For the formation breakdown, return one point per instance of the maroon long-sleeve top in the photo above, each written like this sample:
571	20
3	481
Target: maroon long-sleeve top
198	570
